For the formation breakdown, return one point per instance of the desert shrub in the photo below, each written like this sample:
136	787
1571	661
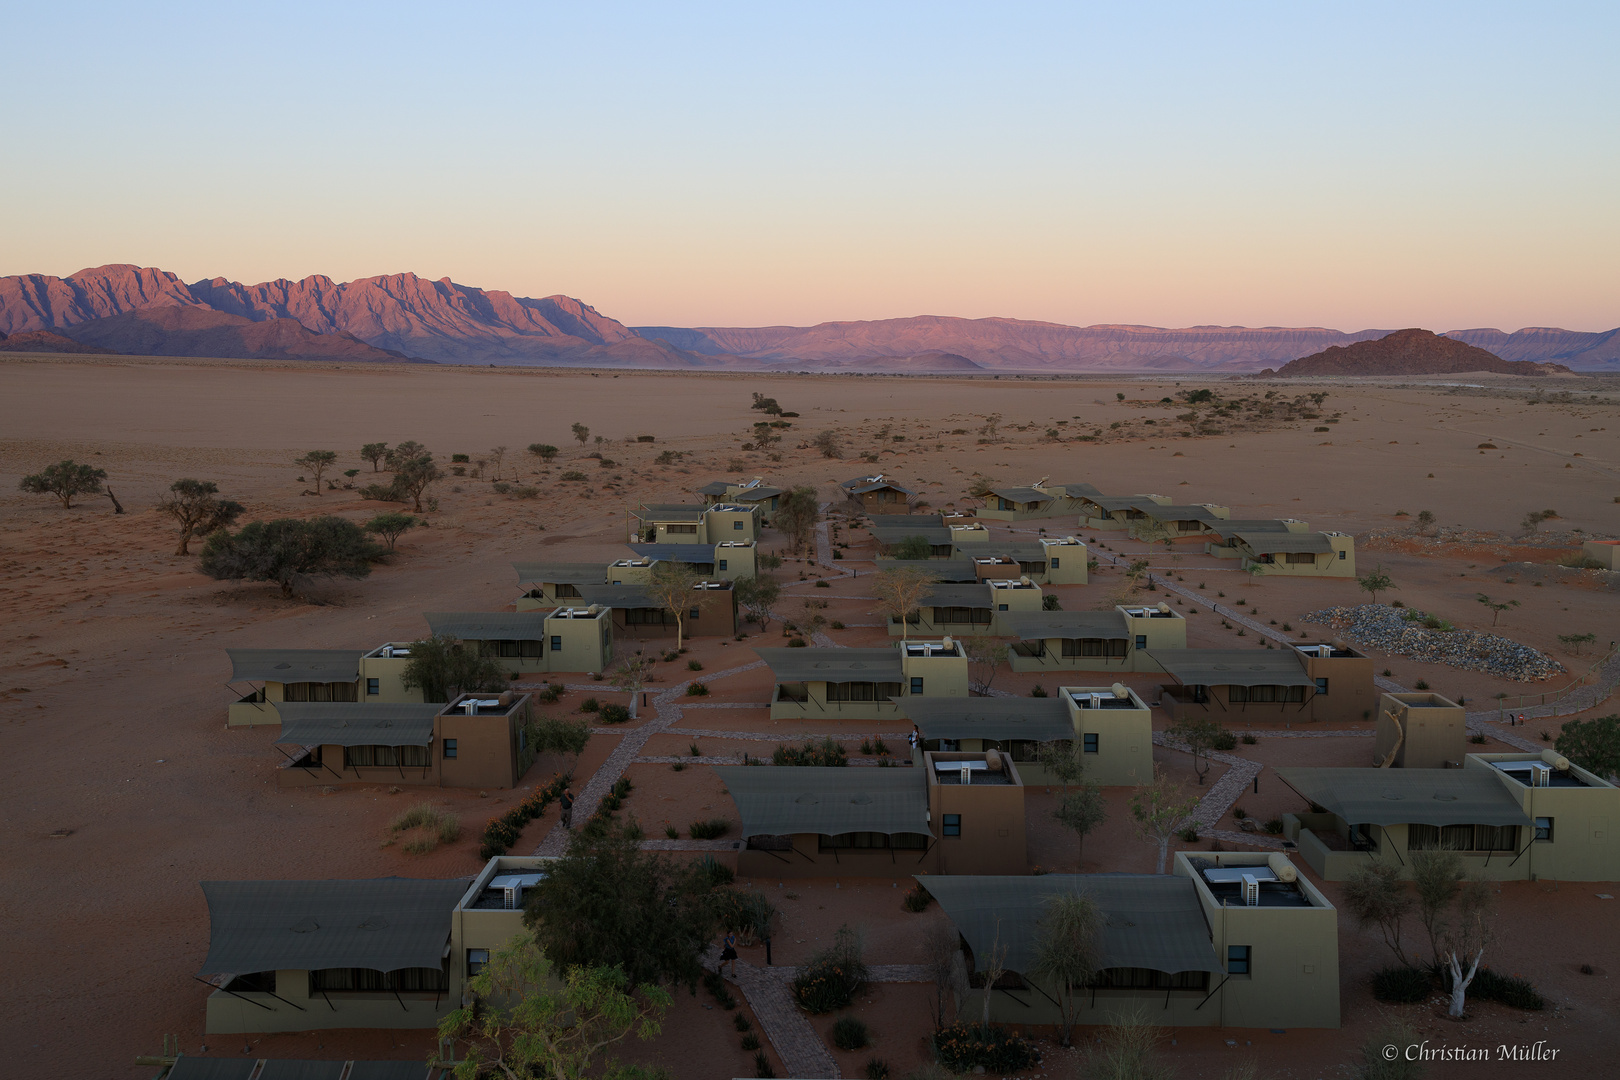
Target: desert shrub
714	872
749	1041
831	978
1039	691
1510	990
1224	741
762	1067
694	665
850	1033
1401	985
572	474
1249	740
961	1047
740	1022
679	766
502	832
877	1069
1421	684
712	829
1274	826
836	624
827	752
697	689
797	643
821	583
590	704
917	898
613	714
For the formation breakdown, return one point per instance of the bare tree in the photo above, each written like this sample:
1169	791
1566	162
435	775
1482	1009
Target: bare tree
1067	954
796	515
1161	811
496	456
1464	938
899	591
317	462
193	506
985	656
942	948
994	965
632	676
1375	895
673	587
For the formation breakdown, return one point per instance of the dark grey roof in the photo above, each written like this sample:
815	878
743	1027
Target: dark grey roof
994	547
833	665
862	484
1074	491
684	553
1114	502
381	923
389	1070
780	800
968	596
277	1069
1021	494
207	1068
669	512
488	625
1233	667
957	570
356	723
562	573
934	534
1151	921
617	596
714	487
754	494
294	665
1268	543
907	521
1036	719
1233	526
1174	513
1370	796
1040	625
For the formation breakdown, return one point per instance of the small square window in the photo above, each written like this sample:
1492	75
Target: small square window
1544	828
1090	742
476	959
737	525
952	825
1141	641
1237	959
1321	686
449	748
1001	607
916	686
1054	562
692	614
556	643
373	687
1341	554
722	564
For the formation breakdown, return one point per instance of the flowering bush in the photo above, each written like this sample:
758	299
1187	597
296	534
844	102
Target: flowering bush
502	832
961	1047
832	977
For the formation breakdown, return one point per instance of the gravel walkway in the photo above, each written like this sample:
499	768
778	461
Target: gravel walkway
766	988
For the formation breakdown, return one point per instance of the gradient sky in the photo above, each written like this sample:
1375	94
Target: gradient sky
1347	165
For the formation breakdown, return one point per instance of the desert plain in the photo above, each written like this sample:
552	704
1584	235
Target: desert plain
127	788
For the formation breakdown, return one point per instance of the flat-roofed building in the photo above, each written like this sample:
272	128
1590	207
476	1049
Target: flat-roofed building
969	609
1045	561
1118	640
1226	940
1306	683
1305	554
579	639
545	585
753	492
863	684
728	560
1420	731
1112	724
1606	553
677	523
382	674
290	675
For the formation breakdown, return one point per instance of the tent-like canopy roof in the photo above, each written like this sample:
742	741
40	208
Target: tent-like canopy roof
357	723
562	573
1040	625
1273	543
678	512
682	553
187	1067
1110	503
968	596
715	487
1231	527
833	665
934	534
1233	667
294	665
1074	491
1149	921
758	493
1405	796
1021	494
1159	512
862	484
488	625
907	521
952	570
995	548
383	924
1035	719
780	800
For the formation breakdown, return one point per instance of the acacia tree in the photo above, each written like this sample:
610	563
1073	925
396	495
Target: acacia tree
1592	744
673	587
524	1020
899	591
65	479
374	452
402	453
1375	895
1160	811
413	475
1496	608
1067	953
497	455
581	432
317	462
391	526
796	515
758	596
544	451
1083	811
286	549
1202	733
443	668
1376	582
193	506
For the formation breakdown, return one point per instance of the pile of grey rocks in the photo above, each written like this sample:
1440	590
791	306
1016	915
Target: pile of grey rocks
1401	631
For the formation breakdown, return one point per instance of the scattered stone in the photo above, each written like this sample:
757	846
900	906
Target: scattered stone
1400	631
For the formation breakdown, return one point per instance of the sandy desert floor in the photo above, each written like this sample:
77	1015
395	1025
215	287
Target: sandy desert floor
128	790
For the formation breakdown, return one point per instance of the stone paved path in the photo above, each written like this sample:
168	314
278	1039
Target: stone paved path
667	712
780	736
796	1041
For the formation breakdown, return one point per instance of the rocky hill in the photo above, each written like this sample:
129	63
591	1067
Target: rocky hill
45	341
176	330
1411	352
1582	351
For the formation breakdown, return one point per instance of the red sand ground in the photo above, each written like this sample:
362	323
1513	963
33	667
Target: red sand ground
113	704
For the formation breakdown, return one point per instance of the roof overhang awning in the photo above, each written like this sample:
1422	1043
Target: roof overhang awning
382	924
488	625
1032	719
562	573
683	553
1277	543
1409	796
833	665
1070	625
782	800
349	723
1151	921
294	665
1231	667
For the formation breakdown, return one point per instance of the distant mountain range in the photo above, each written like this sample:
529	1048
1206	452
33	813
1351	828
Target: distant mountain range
402	317
1411	352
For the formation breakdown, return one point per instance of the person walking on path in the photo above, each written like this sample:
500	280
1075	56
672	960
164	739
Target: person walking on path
915	737
567	802
728	951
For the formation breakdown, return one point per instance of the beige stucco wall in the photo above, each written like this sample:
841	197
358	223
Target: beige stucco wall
992	840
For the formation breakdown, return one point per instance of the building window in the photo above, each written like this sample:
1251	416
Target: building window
1341	554
1462	837
1001	607
1321	687
722	564
737	525
365	980
692	614
556	643
1237	960
449	748
1054	562
476	959
1544	828
1265	694
916	685
1090	742
1141	641
952	825
1114	648
373	687
403	757
867	841
567	590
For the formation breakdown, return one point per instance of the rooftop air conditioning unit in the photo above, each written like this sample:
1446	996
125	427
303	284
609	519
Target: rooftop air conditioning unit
514	897
1540	775
1251	890
967	775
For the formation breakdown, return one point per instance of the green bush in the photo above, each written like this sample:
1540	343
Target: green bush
1401	985
762	1067
613	714
832	977
877	1069
712	829
1224	741
917	898
694	665
740	1022
697	689
749	1041
850	1033
826	753
590	704
1039	691
502	832
1510	990
961	1047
